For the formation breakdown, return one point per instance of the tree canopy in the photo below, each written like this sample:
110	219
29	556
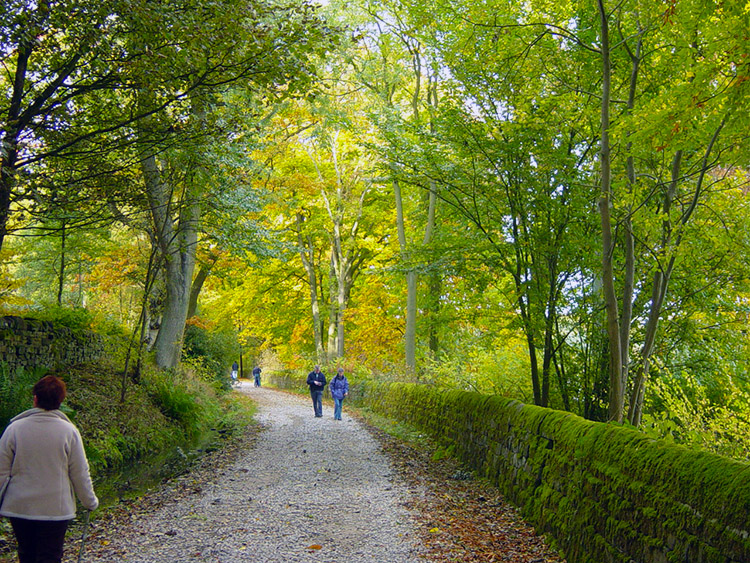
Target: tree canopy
545	200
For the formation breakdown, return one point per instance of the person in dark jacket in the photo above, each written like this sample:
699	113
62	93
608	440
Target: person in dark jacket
316	381
339	388
256	375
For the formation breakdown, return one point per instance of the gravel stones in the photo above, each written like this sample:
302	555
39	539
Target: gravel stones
309	490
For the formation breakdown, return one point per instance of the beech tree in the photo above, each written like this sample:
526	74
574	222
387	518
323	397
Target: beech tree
678	185
393	65
334	216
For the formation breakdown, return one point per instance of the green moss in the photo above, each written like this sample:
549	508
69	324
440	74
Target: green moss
602	490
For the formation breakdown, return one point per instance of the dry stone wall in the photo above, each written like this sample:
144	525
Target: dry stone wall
31	343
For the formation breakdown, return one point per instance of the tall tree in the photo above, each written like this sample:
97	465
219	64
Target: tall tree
509	161
392	64
335	208
213	58
680	183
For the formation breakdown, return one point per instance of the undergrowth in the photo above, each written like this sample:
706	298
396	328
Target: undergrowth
400	430
15	391
160	413
163	410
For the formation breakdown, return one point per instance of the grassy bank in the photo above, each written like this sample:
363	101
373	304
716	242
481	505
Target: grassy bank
161	414
160	411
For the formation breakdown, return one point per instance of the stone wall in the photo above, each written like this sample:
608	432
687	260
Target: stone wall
30	343
603	493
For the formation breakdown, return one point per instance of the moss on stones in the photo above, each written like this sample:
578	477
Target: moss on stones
603	491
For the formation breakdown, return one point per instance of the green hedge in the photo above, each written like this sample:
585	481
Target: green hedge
602	492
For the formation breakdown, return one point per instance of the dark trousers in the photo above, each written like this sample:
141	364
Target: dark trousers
317	400
39	541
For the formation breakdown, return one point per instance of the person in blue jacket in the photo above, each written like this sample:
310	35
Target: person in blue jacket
316	381
256	375
339	389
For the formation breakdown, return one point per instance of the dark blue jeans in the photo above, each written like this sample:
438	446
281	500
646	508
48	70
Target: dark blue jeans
317	399
39	541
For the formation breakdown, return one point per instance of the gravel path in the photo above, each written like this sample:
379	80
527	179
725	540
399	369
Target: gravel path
309	490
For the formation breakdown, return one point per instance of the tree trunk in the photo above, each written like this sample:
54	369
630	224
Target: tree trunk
7	179
559	362
435	289
534	365
628	235
61	273
550	323
140	328
177	244
307	255
333	319
203	272
435	280
658	292
11	134
616	395
346	257
342	303
410	330
195	288
662	277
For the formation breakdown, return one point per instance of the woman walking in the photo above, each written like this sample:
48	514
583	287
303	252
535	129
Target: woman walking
339	389
42	462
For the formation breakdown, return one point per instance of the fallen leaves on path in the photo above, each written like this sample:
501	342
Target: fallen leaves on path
461	518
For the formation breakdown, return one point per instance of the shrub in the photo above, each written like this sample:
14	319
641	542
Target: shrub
184	399
217	347
495	373
15	391
681	410
76	319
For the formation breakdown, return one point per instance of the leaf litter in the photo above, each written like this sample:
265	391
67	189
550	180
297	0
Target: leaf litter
461	518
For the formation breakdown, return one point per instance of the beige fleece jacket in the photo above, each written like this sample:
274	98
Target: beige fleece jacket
42	453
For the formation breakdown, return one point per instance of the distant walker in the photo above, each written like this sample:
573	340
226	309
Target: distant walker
316	381
339	388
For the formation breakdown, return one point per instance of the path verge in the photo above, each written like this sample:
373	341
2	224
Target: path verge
460	518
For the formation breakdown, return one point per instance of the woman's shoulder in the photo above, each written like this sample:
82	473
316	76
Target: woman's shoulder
53	416
26	414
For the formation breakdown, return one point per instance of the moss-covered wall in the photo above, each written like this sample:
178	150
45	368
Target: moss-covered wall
604	493
30	343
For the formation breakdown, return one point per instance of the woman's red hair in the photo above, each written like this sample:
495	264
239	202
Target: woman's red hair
50	392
